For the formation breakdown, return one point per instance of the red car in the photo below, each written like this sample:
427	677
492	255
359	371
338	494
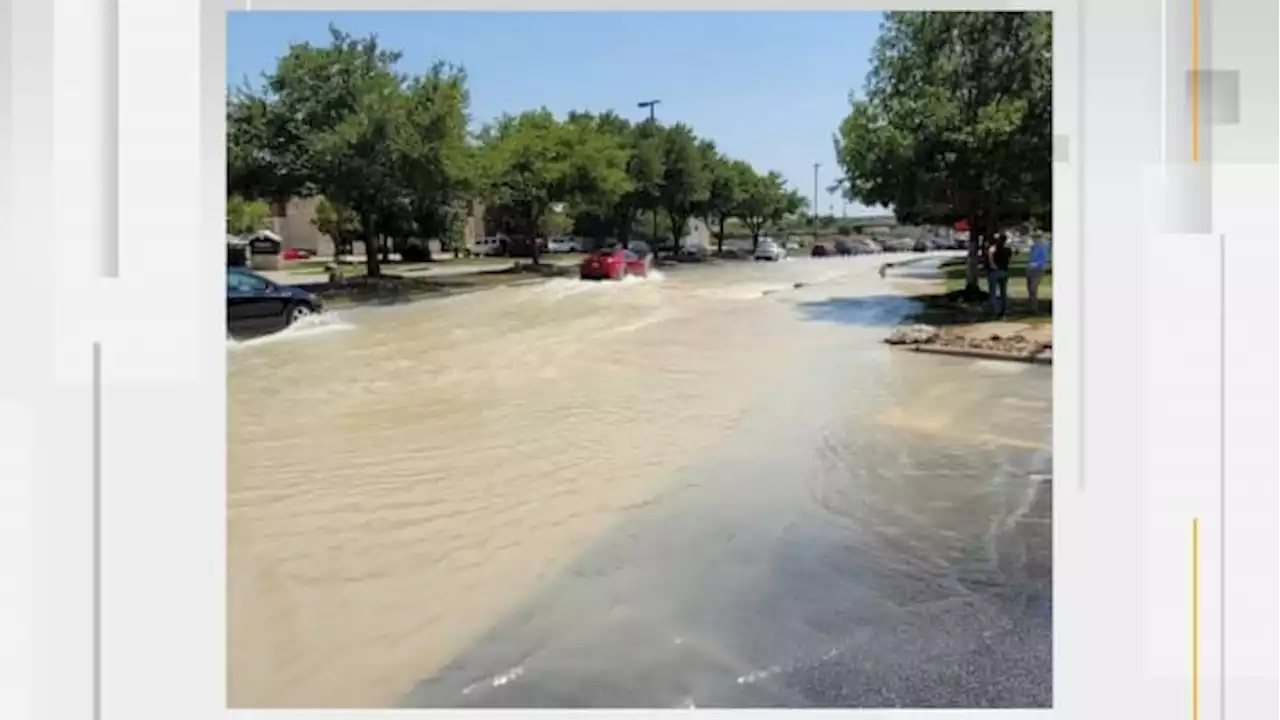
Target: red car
615	264
295	254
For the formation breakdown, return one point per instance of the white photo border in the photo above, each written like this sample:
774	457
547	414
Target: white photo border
1167	427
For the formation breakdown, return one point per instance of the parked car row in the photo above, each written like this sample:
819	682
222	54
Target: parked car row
865	246
846	246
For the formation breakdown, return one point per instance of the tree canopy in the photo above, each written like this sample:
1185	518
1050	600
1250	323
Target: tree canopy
765	201
246	216
955	120
393	157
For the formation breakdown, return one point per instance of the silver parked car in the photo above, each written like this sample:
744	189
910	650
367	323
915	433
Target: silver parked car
769	249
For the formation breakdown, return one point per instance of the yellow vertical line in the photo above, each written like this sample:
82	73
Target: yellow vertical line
1195	619
1195	80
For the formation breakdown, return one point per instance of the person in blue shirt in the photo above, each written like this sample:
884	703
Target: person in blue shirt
1037	265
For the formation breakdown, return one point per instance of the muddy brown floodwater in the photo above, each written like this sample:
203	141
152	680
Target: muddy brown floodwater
714	488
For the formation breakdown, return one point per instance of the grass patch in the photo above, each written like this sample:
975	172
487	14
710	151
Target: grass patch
949	307
392	289
954	270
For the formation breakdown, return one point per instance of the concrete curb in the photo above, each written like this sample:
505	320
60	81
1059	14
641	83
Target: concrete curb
1037	359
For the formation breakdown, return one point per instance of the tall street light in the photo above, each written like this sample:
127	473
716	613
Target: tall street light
652	104
815	196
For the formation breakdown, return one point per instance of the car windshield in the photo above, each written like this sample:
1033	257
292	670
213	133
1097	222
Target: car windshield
243	282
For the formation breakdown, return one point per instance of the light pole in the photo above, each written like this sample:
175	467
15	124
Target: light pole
815	197
651	104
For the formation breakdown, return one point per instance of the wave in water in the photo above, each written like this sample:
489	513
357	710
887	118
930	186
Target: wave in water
318	324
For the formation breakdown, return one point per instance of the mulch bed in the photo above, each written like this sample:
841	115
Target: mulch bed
1012	345
955	341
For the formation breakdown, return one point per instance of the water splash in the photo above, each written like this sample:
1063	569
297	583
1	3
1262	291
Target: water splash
310	326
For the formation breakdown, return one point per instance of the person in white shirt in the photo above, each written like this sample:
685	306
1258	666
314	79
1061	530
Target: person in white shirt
1037	265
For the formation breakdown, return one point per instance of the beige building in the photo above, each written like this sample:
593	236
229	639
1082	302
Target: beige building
297	229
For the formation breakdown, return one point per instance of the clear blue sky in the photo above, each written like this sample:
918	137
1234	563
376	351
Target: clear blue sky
768	87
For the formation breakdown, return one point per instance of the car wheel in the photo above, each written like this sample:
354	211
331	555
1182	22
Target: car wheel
298	312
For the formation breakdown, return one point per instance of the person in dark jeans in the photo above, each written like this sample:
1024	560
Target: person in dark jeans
999	254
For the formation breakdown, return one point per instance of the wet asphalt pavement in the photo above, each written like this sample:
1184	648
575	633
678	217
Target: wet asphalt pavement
715	489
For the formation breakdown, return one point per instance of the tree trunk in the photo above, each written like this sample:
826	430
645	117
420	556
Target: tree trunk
626	226
755	240
371	249
676	230
720	239
971	269
531	235
973	265
980	235
535	250
372	257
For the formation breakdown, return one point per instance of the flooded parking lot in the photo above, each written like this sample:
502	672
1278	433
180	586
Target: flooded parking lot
715	488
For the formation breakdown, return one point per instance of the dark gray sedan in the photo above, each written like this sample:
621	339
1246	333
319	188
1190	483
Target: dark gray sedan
257	306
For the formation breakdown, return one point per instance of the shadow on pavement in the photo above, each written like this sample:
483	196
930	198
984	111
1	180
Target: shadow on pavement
868	311
886	565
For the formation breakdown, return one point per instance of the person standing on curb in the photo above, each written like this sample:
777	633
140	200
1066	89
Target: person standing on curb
998	256
1037	265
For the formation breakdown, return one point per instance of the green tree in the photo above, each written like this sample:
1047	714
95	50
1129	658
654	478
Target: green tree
556	223
729	182
765	201
323	124
686	178
246	216
339	223
646	167
437	162
525	165
266	155
532	161
601	152
338	120
955	122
